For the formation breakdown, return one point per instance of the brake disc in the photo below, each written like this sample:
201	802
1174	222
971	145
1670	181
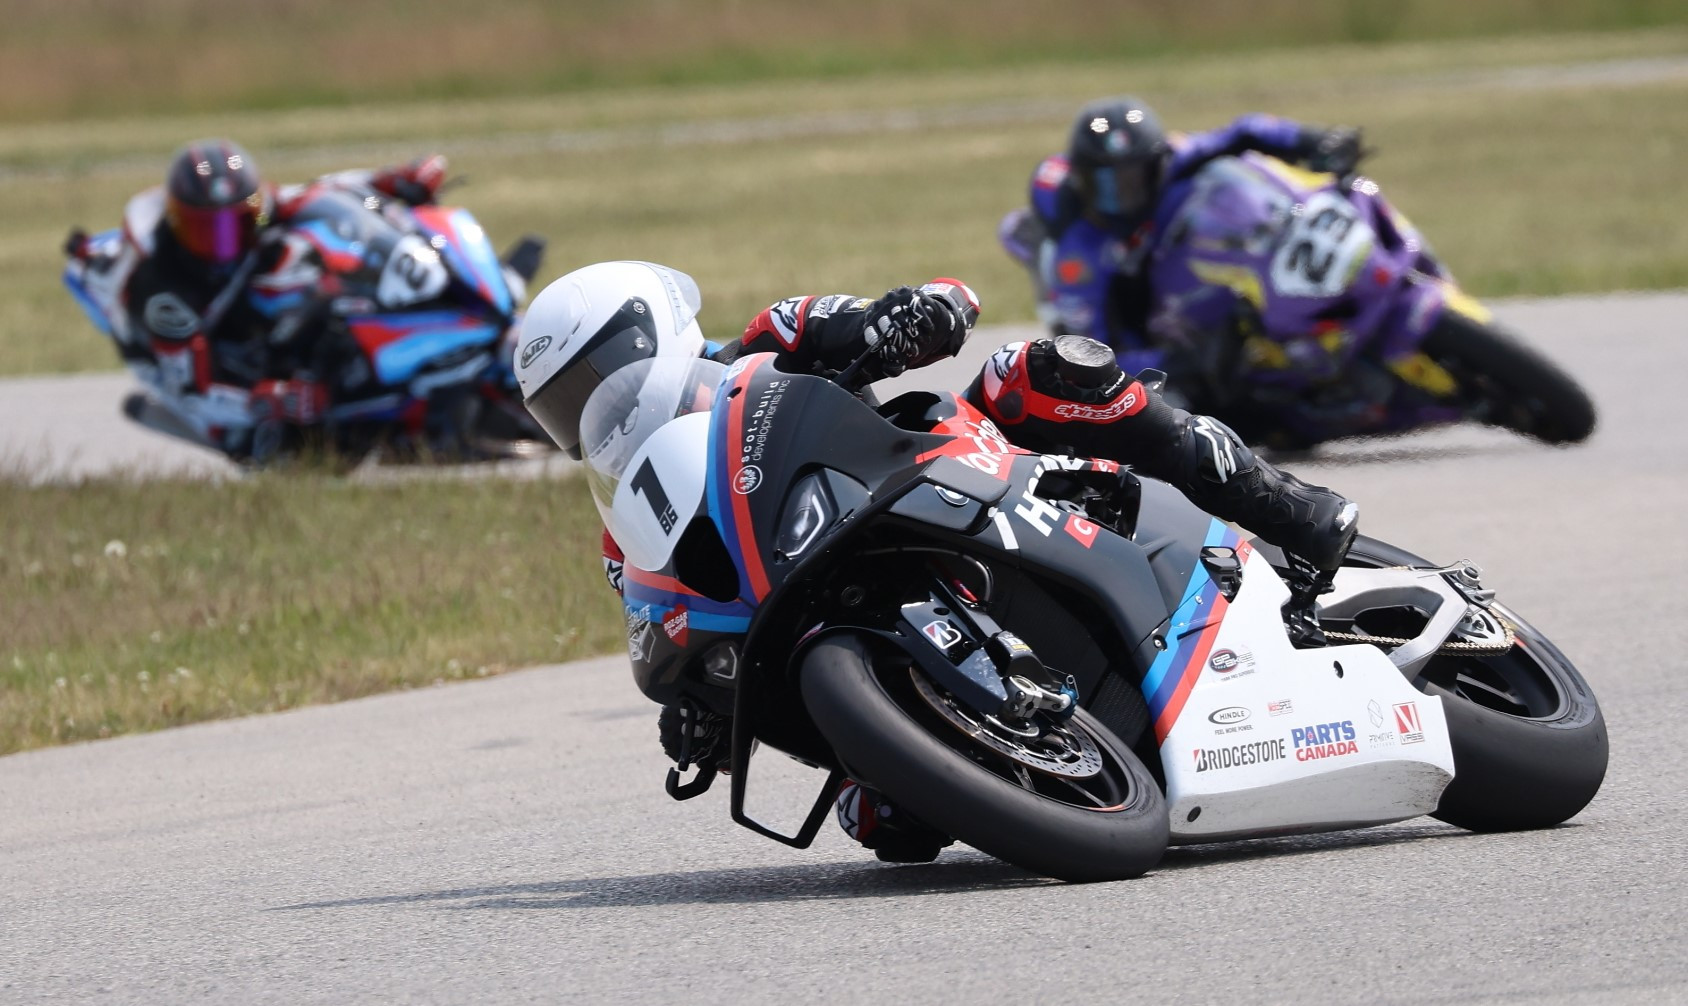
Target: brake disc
1058	750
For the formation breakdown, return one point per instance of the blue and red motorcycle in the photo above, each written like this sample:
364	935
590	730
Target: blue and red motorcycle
406	312
1301	307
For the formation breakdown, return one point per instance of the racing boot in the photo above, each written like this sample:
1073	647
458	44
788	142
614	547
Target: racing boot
893	835
1225	478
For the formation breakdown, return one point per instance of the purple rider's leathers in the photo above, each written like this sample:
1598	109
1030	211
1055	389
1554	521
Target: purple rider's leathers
1216	255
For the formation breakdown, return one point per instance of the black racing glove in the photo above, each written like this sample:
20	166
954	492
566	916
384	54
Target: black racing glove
911	328
1336	150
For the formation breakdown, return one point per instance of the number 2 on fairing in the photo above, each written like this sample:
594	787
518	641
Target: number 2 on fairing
1322	249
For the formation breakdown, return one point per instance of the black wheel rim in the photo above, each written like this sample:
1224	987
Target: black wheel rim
1109	788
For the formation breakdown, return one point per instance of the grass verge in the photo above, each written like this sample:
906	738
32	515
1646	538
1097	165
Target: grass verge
1530	176
63	58
128	606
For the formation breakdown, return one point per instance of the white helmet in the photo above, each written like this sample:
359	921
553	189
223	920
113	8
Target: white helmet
587	325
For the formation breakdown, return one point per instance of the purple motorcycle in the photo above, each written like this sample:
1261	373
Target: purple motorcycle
1299	307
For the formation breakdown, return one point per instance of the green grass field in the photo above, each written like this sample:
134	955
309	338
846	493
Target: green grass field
133	606
1529	177
127	606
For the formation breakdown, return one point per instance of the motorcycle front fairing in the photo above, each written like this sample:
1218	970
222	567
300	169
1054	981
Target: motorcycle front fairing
1302	254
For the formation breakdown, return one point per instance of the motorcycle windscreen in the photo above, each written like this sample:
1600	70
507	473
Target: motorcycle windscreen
624	412
463	244
1233	206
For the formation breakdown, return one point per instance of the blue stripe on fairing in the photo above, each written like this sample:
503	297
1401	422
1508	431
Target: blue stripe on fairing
471	256
707	621
272	304
89	305
720	506
399	360
1217	533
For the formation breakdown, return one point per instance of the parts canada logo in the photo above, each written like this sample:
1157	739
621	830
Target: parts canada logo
1407	721
748	478
1240	755
1324	740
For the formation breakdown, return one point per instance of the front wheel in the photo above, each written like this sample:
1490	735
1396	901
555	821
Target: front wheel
1529	741
1072	802
1510	383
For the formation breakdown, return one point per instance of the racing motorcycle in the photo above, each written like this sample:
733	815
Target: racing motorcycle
406	311
1301	307
1046	657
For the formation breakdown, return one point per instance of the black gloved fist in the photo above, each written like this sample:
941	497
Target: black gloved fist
1337	151
909	327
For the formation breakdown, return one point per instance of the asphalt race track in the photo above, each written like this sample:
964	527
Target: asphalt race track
509	840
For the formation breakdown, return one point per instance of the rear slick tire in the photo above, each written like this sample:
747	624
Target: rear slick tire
926	768
1511	772
1523	390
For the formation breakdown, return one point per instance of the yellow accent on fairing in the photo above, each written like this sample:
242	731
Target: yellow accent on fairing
1299	177
1460	302
1239	279
1262	353
1421	371
1333	340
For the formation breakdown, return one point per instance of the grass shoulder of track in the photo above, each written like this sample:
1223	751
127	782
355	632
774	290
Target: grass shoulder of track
1529	173
130	605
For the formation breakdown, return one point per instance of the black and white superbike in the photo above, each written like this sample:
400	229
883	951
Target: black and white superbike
1046	657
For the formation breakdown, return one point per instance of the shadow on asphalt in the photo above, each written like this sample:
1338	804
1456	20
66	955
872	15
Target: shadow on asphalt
1394	451
958	871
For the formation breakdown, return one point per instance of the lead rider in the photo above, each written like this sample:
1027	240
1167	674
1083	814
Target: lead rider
1065	395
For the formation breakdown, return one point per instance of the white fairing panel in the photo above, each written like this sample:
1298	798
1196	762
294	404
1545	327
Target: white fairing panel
660	491
1275	740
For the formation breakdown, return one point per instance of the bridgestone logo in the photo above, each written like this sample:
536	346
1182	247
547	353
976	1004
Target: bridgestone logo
1214	759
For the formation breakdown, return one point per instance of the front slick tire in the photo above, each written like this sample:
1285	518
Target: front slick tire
886	735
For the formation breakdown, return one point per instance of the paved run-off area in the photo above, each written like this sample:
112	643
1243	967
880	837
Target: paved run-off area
508	840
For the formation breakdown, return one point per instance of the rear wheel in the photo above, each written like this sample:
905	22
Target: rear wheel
1512	384
1066	799
1529	741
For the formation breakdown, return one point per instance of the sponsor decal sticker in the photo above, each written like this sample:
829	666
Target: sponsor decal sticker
639	636
1407	721
1083	531
1229	714
1129	403
1282	707
1223	661
534	348
942	634
1239	755
758	420
748	478
675	623
1324	740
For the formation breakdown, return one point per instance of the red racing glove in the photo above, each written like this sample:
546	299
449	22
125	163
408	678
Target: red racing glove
416	183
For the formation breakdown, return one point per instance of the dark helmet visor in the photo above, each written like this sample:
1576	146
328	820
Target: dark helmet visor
628	336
